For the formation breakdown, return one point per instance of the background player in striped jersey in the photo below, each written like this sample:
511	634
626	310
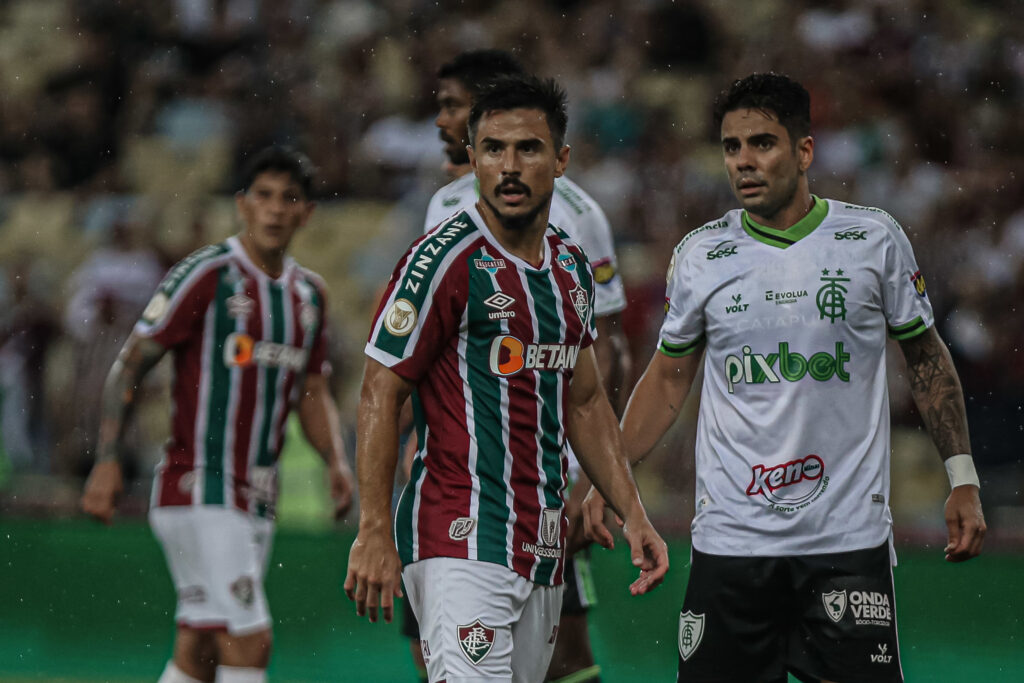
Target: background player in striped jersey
488	324
576	212
791	298
246	327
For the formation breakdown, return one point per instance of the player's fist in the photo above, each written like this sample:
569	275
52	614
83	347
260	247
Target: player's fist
102	489
965	522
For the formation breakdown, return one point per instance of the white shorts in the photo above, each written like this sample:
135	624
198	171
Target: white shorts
481	621
218	558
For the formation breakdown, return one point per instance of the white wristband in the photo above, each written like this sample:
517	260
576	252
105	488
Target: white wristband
960	469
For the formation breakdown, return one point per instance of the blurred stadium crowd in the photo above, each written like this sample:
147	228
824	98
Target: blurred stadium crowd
123	124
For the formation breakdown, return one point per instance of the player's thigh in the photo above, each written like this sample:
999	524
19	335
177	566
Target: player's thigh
534	635
217	558
734	620
847	630
466	610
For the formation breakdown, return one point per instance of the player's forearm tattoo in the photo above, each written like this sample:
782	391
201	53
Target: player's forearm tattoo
120	392
937	392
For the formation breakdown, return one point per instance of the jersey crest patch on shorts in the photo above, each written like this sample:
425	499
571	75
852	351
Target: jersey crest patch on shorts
244	590
835	604
476	641
691	631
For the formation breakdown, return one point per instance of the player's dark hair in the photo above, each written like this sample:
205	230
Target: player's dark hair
772	93
280	159
475	68
523	92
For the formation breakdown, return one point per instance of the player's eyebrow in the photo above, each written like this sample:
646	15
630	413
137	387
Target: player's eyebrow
762	137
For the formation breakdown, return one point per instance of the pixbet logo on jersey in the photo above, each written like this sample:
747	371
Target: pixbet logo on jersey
790	485
509	356
755	368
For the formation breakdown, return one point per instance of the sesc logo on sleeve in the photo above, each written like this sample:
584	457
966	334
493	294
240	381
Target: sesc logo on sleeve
400	319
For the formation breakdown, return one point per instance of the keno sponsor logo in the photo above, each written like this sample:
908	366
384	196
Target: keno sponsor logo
790	486
509	356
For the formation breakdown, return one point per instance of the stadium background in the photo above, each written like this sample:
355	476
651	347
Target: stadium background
122	128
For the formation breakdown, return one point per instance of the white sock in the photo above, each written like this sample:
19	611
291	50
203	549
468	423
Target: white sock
241	674
172	674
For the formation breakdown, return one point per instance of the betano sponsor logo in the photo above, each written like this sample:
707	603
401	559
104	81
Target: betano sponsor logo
509	356
241	350
755	368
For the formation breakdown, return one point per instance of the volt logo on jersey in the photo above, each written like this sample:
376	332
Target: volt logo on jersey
755	368
509	356
790	486
241	350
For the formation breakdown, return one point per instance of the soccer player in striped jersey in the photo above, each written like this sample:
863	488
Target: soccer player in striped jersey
791	299
488	323
246	327
576	212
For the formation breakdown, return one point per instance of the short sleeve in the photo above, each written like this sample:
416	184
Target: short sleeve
908	311
176	310
683	329
319	362
418	315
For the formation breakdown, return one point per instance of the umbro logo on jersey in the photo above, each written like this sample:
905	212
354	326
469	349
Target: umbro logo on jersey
851	235
722	250
509	356
491	265
240	306
500	301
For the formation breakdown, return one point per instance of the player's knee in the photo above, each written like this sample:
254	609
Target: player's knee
195	653
251	650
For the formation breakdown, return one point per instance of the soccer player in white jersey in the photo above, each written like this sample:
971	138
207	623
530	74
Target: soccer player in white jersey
576	212
791	299
487	323
246	327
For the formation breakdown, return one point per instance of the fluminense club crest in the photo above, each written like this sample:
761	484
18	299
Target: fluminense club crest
691	631
580	301
476	641
835	604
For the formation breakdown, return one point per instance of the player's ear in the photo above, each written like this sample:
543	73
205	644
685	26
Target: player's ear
805	152
561	161
472	157
307	211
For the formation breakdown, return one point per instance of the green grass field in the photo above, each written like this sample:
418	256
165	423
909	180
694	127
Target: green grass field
80	602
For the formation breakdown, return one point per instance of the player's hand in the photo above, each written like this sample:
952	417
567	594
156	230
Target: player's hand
966	523
594	528
102	489
341	489
648	550
374	576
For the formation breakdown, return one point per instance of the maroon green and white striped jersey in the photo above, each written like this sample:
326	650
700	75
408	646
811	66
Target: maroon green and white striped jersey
242	344
490	342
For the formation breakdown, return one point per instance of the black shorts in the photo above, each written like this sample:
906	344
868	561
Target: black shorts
579	595
752	619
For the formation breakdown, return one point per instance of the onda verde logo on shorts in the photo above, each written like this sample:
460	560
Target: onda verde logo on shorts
509	356
755	368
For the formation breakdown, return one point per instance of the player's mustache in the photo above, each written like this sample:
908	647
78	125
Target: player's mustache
512	185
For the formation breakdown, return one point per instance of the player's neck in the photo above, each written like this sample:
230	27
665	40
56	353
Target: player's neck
791	214
526	242
270	261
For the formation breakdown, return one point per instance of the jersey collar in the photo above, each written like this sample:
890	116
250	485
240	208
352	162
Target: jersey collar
796	232
474	215
243	256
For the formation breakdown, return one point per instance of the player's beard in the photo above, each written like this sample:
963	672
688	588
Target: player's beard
772	205
518	223
455	149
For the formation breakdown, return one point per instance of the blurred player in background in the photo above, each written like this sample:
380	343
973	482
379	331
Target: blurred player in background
246	326
487	323
791	298
576	212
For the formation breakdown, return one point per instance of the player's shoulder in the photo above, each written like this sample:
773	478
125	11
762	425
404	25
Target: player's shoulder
310	277
573	198
712	233
199	262
559	236
855	222
455	194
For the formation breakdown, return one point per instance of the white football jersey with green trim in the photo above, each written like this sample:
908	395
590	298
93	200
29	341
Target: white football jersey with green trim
793	432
